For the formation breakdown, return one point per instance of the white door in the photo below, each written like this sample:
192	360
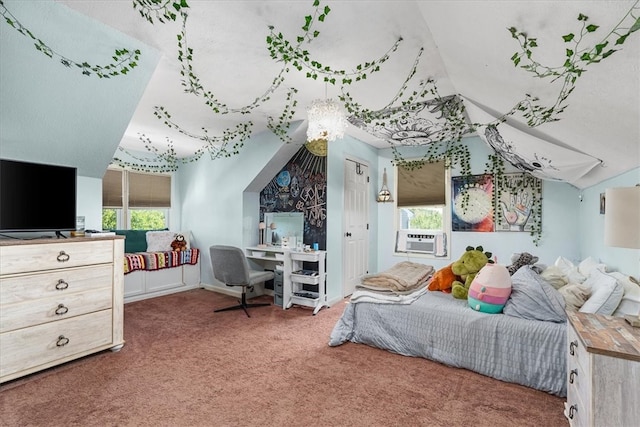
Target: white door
356	225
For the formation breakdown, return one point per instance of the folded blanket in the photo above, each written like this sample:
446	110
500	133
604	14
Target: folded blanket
402	278
388	298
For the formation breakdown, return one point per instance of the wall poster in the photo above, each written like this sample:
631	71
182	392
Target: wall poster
472	203
518	195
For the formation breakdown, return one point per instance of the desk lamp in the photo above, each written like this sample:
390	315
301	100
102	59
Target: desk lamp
622	223
263	229
274	235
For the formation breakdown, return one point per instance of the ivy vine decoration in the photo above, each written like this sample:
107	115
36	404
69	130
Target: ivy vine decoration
162	10
291	54
124	59
577	59
524	210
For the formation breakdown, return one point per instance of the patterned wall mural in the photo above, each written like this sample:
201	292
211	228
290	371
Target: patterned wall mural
301	186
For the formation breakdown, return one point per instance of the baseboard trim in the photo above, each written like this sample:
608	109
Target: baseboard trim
141	297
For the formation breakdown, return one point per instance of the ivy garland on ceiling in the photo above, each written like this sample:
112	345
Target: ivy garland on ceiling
124	60
282	50
444	141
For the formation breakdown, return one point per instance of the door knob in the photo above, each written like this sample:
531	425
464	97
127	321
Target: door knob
347	234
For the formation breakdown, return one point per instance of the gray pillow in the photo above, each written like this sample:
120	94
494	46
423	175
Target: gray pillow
533	298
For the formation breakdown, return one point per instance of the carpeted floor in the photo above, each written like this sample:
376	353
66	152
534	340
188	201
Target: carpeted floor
183	365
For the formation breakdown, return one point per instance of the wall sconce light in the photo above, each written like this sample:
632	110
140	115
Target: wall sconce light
622	223
384	195
263	229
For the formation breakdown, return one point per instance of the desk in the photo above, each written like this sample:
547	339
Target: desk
294	279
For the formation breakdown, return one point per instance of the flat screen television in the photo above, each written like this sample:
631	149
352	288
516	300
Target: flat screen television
37	197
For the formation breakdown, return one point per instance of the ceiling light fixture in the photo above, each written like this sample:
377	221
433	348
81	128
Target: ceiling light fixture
327	120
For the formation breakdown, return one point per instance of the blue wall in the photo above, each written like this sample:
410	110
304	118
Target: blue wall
560	208
591	227
215	204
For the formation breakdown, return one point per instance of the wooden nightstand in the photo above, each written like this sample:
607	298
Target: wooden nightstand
603	371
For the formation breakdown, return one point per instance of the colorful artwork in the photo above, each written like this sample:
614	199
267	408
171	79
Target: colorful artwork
472	203
517	197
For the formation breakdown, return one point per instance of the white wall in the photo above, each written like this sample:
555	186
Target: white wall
591	227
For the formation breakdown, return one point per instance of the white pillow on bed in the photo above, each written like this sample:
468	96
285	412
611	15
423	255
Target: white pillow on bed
606	293
571	271
630	303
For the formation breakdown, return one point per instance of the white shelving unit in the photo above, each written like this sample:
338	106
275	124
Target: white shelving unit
294	292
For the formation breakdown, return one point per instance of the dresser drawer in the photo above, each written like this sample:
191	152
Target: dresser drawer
577	412
25	314
579	395
576	352
35	286
27	348
27	258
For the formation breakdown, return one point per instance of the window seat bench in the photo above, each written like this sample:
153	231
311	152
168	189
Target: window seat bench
152	274
152	268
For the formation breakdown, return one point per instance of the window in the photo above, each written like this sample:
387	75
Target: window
421	202
135	200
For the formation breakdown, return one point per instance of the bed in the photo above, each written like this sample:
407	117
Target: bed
434	325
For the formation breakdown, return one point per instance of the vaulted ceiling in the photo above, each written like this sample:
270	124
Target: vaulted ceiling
465	47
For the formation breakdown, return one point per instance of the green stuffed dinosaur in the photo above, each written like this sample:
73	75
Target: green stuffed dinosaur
467	267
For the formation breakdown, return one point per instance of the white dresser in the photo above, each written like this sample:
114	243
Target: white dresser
603	371
59	300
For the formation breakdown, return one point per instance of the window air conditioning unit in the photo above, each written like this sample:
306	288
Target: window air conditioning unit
422	242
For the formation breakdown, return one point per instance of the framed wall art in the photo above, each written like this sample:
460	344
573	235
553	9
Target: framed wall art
518	202
472	203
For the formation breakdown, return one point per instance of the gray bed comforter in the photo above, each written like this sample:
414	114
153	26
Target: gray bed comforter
439	327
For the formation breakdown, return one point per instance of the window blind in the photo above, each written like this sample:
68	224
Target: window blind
112	189
421	186
149	190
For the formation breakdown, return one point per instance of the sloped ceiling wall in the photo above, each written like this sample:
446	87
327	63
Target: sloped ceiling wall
603	116
466	49
53	114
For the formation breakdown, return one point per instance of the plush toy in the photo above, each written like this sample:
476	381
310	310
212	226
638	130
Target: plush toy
179	244
442	280
490	289
467	266
520	260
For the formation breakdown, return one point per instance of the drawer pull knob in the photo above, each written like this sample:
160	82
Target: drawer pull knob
574	344
63	256
61	285
574	373
62	341
572	410
61	310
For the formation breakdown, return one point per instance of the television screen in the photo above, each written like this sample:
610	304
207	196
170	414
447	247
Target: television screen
37	197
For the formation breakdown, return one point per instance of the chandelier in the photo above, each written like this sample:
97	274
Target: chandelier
327	121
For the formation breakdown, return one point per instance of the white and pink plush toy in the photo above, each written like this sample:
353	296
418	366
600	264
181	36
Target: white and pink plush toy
490	289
